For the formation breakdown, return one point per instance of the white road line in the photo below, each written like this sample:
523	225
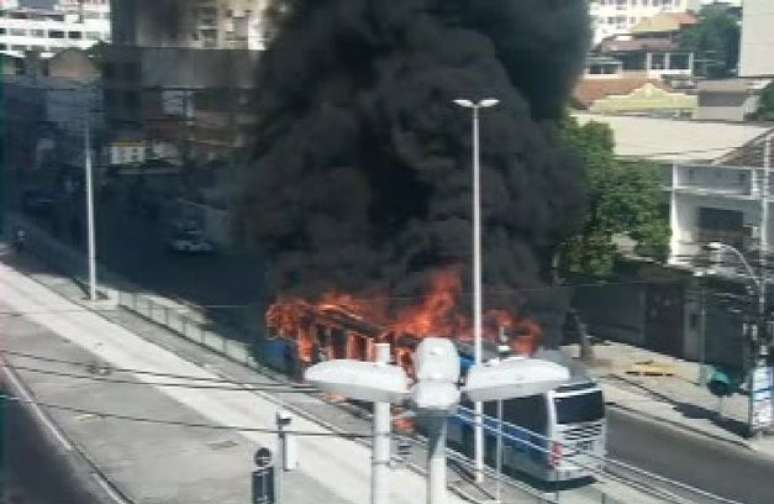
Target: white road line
108	488
50	425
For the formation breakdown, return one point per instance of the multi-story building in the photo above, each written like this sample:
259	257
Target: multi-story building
616	17
757	58
196	24
70	24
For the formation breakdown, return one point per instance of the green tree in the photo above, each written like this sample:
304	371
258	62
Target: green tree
766	106
715	39
624	199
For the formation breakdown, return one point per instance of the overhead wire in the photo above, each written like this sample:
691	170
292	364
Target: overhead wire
233	387
178	423
84	364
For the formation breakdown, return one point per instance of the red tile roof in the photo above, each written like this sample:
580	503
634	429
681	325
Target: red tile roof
587	91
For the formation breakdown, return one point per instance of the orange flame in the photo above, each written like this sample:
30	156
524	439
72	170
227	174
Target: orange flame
437	315
341	325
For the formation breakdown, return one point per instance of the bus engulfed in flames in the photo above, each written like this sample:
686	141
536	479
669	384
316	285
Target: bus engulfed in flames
341	326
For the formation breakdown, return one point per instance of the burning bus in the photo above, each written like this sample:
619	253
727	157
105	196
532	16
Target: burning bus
556	436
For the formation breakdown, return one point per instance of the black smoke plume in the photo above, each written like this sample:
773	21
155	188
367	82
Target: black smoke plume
362	174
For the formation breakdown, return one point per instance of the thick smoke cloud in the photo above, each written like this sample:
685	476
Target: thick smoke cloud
362	178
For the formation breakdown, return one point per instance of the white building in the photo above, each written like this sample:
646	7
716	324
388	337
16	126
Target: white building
137	152
757	51
195	24
70	24
618	17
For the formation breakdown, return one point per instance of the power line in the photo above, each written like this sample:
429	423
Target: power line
84	364
234	387
193	425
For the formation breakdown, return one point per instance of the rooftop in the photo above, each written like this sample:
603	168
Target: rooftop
676	140
587	91
628	44
665	22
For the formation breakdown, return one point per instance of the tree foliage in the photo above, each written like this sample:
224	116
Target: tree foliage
766	106
715	38
624	199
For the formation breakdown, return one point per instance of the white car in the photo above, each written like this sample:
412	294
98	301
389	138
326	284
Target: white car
191	245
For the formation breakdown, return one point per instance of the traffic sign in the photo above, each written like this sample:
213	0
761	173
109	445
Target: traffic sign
262	458
263	486
762	382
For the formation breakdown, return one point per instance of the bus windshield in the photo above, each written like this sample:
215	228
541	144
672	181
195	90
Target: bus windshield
580	408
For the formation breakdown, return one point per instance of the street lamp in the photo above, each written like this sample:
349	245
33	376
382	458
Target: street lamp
759	339
435	396
92	243
478	407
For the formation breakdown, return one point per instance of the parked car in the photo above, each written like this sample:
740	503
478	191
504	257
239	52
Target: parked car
37	201
191	244
185	226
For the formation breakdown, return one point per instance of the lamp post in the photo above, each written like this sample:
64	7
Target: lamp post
92	252
478	407
435	396
759	337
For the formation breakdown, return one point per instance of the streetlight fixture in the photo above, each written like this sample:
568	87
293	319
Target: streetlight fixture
759	373
434	396
477	315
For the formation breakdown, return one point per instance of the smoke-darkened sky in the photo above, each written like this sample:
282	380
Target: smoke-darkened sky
362	173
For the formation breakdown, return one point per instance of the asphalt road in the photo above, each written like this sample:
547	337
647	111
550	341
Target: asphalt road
717	467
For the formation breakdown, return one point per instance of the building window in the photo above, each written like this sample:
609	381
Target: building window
725	226
3	47
19	48
131	100
18	32
56	34
2	31
658	62
38	33
680	62
632	20
92	35
38	48
75	35
132	71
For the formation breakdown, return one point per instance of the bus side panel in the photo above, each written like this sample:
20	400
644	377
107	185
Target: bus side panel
278	354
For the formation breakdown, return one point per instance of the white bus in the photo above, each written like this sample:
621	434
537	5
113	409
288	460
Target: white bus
557	436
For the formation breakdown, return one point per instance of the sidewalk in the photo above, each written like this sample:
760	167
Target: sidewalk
678	399
175	465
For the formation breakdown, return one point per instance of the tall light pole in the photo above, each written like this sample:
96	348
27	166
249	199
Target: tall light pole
92	253
478	407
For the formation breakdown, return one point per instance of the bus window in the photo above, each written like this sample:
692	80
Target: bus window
528	412
580	408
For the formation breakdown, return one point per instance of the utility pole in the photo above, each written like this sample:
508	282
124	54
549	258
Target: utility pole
92	253
760	338
380	461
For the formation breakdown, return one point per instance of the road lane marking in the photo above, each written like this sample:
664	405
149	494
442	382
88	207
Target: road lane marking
47	422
